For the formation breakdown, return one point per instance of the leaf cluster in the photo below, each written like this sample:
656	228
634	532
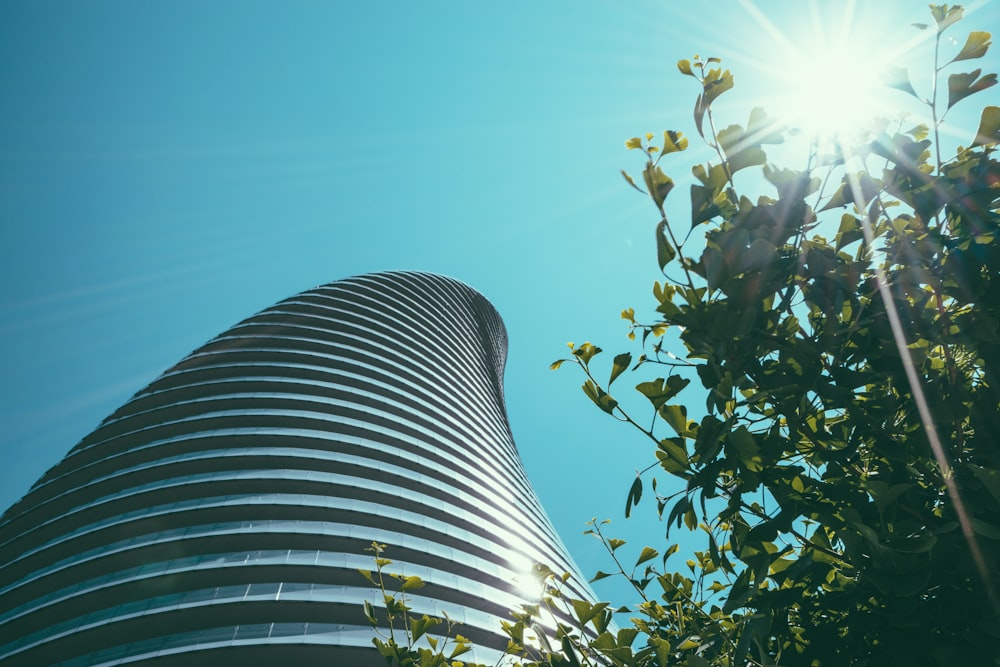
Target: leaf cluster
841	336
405	640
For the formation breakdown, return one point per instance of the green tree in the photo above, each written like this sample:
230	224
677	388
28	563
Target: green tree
843	335
842	332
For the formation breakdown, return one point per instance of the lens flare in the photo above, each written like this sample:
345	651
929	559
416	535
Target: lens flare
826	78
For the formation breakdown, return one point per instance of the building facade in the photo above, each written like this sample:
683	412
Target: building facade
222	514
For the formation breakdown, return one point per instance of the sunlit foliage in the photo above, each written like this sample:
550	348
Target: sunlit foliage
820	381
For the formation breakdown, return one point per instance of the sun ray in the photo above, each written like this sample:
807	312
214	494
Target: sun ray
825	76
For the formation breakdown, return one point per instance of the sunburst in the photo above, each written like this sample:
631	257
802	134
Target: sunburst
826	76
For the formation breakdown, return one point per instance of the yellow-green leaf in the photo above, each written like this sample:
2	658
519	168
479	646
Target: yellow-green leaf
762	129
676	416
988	133
411	583
648	553
634	495
619	366
673	142
586	352
716	82
600	397
628	179
674	449
659	391
634	142
658	183
945	16
899	78
685	67
964	84
664	251
976	46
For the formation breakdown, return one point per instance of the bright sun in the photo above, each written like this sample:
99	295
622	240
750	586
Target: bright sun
831	91
827	77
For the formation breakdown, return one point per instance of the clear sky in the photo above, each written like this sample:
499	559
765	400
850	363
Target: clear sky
168	168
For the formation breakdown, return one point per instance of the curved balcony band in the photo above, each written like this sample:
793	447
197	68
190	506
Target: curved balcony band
224	511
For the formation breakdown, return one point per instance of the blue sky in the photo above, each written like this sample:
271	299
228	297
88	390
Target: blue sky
169	168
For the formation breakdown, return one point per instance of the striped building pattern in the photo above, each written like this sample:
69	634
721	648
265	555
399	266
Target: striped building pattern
222	514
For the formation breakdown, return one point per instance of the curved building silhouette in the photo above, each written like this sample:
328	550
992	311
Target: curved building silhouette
222	514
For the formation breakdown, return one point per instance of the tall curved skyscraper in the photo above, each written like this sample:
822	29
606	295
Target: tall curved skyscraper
221	515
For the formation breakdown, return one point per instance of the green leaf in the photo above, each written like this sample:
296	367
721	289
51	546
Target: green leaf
854	188
742	149
703	206
411	583
690	519
567	648
738	593
708	441
716	82
628	179
945	16
885	495
989	478
600	575
899	78
850	230
700	108
621	363
984	528
600	397
696	661
634	142
659	391
673	142
760	255
988	133
674	448
685	67
791	185
634	495
743	441
662	650
704	197
582	609
419	626
964	84
751	156
664	251
762	129
976	46
905	153
648	553
715	177
556	364
658	184
676	416
460	648
586	352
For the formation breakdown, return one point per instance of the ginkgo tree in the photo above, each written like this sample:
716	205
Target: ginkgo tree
819	380
843	334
